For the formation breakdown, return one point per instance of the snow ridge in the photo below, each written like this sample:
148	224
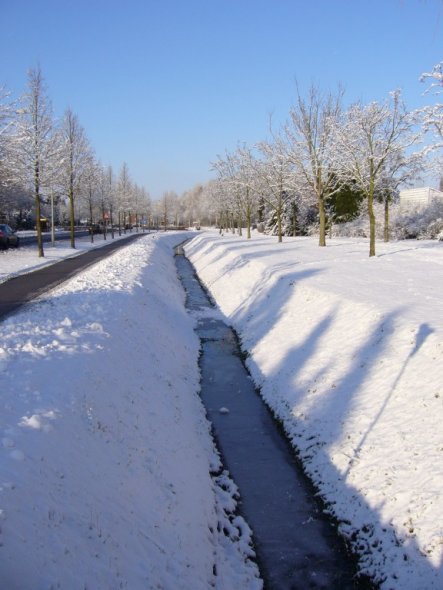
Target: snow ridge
348	351
106	451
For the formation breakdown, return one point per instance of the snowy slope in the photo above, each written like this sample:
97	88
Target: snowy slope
106	453
348	351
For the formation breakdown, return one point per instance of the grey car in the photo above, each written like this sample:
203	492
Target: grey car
8	237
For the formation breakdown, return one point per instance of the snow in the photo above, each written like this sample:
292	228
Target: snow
109	476
348	352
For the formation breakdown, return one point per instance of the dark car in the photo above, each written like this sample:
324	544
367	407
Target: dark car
8	237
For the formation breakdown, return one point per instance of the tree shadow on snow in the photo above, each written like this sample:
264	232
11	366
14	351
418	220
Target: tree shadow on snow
379	545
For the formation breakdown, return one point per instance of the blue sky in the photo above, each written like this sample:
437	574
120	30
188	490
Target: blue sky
167	85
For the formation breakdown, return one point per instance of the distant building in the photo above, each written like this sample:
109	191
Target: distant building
419	198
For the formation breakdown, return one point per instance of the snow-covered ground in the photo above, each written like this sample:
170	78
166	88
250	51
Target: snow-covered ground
106	454
348	351
108	473
25	259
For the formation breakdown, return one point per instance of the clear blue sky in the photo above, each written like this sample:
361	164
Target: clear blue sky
166	85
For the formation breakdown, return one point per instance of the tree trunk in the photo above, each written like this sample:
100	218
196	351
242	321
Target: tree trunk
386	225
248	221
104	223
371	223
260	210
37	210
90	219
72	216
322	218
279	224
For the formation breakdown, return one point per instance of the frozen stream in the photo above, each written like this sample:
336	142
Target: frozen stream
296	545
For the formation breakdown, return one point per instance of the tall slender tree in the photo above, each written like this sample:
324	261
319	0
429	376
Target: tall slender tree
276	172
433	114
7	121
123	196
309	134
76	154
90	188
35	145
371	147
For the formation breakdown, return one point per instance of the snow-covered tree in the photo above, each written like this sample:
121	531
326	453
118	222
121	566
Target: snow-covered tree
217	203
166	208
123	196
108	197
433	114
7	119
209	210
237	172
226	170
311	147
275	173
401	169
90	183
35	146
145	207
371	146
76	155
192	205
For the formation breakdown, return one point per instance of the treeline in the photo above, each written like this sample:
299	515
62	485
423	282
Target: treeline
328	164
325	165
48	170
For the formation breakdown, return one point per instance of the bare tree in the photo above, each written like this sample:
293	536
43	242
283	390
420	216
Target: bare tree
276	172
166	207
401	169
309	140
123	196
76	155
238	172
433	114
371	146
90	182
145	208
6	126
35	147
109	197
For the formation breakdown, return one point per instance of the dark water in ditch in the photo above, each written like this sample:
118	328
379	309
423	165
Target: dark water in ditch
297	547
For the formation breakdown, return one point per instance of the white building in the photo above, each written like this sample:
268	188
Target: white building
419	198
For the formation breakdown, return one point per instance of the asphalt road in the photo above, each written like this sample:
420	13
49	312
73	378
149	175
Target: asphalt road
20	290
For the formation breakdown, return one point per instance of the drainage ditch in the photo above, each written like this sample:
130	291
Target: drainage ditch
296	544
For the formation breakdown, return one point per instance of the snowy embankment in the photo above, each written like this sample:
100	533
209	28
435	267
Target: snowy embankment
348	351
106	452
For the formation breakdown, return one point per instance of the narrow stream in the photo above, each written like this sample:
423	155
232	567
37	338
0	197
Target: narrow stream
297	547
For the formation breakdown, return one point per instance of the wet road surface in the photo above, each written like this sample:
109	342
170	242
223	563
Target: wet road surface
297	546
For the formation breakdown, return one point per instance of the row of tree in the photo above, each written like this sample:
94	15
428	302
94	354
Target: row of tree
46	165
325	164
328	162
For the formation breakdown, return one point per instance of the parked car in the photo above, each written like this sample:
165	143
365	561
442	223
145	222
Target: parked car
8	237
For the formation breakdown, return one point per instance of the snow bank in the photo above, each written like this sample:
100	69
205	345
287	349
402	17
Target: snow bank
106	453
348	351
